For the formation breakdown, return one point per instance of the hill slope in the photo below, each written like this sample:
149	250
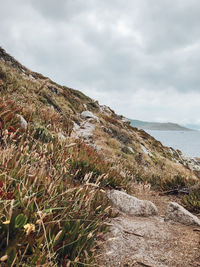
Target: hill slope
60	152
158	126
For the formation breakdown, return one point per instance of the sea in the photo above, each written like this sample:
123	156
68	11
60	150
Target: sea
186	141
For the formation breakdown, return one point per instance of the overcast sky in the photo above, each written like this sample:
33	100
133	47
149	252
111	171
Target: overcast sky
140	57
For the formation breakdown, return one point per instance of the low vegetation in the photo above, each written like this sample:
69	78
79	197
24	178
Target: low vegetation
53	205
192	200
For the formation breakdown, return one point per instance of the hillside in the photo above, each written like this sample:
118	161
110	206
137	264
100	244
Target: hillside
60	154
193	126
158	126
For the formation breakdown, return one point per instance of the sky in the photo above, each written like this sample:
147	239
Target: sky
140	57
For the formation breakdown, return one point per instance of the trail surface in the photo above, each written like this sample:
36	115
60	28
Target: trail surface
150	241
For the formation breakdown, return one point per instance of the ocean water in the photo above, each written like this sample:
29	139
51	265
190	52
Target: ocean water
188	142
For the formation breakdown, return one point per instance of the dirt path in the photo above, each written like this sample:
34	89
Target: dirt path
150	241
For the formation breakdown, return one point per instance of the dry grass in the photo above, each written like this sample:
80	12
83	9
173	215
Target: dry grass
52	200
52	203
47	214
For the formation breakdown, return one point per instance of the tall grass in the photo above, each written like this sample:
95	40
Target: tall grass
47	216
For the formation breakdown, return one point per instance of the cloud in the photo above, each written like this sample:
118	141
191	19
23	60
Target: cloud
139	57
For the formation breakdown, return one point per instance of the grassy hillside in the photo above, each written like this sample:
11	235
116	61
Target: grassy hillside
54	171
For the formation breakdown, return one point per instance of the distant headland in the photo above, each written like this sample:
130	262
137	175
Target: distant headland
158	126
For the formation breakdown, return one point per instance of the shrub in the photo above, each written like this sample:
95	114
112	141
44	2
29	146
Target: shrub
84	159
42	134
46	218
46	215
8	112
192	201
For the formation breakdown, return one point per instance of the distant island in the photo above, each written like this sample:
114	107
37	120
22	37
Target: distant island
193	126
158	126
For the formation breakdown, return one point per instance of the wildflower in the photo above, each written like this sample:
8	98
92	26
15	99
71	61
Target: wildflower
12	129
6	222
4	258
29	227
10	195
90	235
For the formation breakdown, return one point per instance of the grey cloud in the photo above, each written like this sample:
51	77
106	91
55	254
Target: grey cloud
110	49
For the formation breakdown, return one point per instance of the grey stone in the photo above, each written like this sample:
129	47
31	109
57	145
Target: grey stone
131	150
125	120
23	122
131	205
61	136
177	213
106	110
146	151
53	89
89	115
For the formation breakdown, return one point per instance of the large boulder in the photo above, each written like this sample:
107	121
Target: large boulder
131	205
177	213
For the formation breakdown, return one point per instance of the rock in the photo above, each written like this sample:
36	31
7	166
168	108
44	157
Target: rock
53	89
106	130
131	150
61	136
31	77
85	130
76	126
23	122
124	138
177	213
192	163
125	120
106	110
131	205
97	148
89	115
146	151
127	150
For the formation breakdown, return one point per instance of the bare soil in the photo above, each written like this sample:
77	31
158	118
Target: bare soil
150	241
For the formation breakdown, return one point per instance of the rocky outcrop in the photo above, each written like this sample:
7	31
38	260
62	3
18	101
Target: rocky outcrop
106	110
191	163
125	120
14	63
85	130
88	115
177	213
131	205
